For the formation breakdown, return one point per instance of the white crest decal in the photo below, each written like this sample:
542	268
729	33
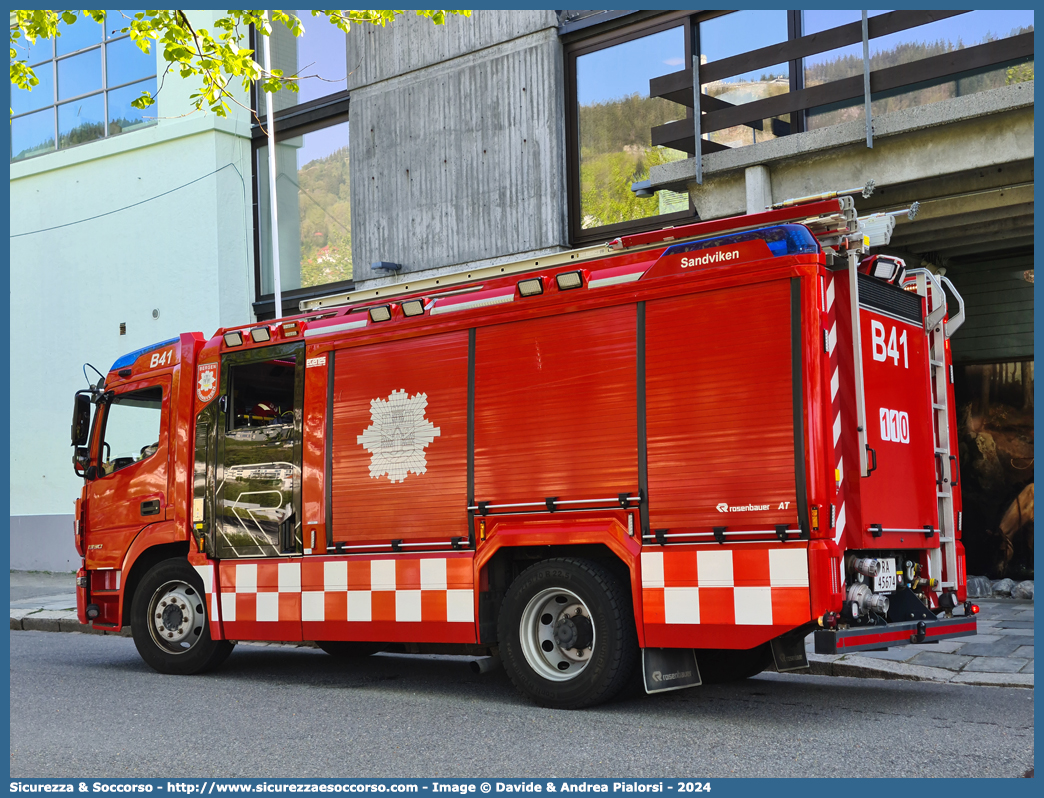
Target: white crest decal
397	435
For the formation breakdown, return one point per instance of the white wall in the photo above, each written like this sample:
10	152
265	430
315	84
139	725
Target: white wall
188	254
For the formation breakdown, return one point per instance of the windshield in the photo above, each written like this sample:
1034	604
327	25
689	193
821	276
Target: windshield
132	428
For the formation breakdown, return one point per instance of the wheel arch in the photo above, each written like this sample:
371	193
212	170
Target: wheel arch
140	561
502	566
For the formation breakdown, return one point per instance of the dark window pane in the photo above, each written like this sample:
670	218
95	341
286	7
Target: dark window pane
741	32
42	94
81	120
32	135
115	21
315	238
82	33
616	115
125	62
124	117
80	74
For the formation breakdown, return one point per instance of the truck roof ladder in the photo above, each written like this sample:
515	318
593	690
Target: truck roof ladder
943	561
829	217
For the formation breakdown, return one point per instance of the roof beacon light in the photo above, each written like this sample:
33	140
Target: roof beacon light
569	280
380	313
234	338
534	287
413	307
260	334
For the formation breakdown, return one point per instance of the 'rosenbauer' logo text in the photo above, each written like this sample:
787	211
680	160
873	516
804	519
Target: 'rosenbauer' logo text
718	256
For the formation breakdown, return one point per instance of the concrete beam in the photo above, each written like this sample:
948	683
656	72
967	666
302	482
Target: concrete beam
975	203
948	231
993	245
911	145
905	230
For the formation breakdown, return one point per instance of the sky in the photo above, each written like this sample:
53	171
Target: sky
626	68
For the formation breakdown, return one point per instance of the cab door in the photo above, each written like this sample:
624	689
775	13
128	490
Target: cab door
129	489
258	454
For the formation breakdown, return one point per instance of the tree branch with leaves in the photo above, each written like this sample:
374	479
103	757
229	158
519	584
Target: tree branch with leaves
218	57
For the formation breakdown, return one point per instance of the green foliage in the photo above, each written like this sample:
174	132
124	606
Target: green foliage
326	227
605	184
615	151
216	58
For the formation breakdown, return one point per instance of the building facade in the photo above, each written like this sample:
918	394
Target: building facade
420	150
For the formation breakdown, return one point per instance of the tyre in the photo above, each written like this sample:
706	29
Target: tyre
566	633
169	621
346	649
724	665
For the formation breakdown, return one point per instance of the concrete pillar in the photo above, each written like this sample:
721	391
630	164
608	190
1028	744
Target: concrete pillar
759	188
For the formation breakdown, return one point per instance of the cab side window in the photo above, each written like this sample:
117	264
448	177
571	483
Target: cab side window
132	429
262	394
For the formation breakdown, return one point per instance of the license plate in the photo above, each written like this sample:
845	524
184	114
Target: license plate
885	579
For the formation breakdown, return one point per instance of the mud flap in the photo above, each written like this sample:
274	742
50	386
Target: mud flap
788	652
667	669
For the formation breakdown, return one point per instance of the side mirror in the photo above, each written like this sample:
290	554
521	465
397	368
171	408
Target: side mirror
82	462
81	423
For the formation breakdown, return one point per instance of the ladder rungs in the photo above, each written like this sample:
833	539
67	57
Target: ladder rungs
936	362
944	495
946	540
942	451
947	584
938	406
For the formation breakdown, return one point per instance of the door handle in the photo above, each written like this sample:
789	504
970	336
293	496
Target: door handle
151	507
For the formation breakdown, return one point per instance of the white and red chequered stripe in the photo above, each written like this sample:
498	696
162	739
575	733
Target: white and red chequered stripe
206	573
742	585
835	413
414	590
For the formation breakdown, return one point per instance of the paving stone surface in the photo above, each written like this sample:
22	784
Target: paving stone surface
1023	651
1027	668
900	654
996	648
952	662
977	639
995	665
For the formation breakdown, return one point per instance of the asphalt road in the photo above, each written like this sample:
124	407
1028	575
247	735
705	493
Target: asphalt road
84	705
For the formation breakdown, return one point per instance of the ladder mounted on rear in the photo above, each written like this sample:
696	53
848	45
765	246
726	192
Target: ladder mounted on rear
942	561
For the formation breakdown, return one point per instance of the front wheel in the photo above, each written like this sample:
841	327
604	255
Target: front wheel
169	621
566	633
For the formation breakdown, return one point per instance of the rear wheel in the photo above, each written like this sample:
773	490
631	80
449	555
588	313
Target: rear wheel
348	649
566	633
169	621
724	665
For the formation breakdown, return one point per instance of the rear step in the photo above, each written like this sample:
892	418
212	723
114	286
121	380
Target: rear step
843	641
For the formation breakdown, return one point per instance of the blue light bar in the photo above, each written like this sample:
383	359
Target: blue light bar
130	357
783	239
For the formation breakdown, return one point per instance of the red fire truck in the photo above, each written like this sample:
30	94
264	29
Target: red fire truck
678	453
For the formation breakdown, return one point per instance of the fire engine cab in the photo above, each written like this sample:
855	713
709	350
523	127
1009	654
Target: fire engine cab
676	454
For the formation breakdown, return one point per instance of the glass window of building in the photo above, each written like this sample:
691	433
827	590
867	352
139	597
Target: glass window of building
729	35
88	77
907	47
313	210
614	117
313	204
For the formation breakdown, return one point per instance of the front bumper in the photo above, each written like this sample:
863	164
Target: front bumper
864	638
